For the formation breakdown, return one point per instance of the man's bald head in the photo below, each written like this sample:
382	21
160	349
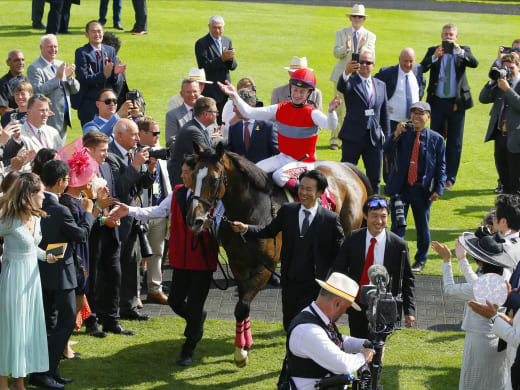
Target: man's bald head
407	59
126	133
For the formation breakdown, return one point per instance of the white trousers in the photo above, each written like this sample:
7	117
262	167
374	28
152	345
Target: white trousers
284	167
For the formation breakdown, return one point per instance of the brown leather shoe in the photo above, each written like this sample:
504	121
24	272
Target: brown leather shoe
157	297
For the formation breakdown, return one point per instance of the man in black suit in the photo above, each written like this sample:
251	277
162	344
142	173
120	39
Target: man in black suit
376	245
37	14
59	16
193	132
449	94
131	177
311	238
255	140
59	279
104	249
216	55
97	67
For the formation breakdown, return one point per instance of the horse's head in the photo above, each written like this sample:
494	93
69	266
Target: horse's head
209	186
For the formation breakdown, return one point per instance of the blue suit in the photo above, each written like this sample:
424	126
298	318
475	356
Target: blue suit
364	135
263	142
89	72
431	178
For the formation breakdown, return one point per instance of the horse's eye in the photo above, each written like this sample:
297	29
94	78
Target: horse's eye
213	182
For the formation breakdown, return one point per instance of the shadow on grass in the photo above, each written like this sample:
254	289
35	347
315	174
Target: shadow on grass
441	235
442	339
433	377
467	193
10	31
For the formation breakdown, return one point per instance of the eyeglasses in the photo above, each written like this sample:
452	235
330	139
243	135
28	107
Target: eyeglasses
378	203
214	112
357	16
108	101
366	62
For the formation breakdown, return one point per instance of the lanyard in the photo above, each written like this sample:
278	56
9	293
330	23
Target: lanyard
42	140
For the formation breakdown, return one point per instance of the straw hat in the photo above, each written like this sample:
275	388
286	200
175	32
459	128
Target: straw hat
199	75
297	63
358	10
342	286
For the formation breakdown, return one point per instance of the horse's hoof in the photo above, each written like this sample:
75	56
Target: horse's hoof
242	363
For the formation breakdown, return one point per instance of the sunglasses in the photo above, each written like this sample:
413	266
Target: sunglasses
378	203
357	16
156	133
108	101
366	62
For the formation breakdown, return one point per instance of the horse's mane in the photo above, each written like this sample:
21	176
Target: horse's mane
255	175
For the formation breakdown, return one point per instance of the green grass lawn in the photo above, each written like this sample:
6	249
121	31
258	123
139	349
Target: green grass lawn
265	37
147	361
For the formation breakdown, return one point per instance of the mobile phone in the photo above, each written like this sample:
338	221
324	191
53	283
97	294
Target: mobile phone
12	117
507	50
447	47
355	57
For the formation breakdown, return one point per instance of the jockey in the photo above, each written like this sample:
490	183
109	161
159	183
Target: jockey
299	124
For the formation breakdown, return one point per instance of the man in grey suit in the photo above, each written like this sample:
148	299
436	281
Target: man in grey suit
54	79
177	117
504	123
193	132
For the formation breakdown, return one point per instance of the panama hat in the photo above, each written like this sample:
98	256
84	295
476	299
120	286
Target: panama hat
358	10
342	286
297	63
199	75
488	249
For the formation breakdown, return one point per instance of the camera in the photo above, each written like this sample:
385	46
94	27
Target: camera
400	217
132	95
340	382
500	73
141	229
161	154
447	47
409	126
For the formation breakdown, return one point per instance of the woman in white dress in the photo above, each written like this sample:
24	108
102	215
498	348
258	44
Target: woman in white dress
483	368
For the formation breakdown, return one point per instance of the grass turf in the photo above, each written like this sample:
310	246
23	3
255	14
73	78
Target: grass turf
147	361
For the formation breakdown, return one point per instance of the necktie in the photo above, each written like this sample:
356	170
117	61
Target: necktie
414	160
408	91
355	41
219	46
158	196
129	158
247	136
99	56
447	76
368	87
305	223
369	261
334	335
502	120
191	113
53	68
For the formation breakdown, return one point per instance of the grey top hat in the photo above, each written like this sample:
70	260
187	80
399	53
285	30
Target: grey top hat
488	249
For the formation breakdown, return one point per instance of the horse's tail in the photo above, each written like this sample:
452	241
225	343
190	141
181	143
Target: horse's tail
362	177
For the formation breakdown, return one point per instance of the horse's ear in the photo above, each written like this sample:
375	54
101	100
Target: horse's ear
220	150
197	148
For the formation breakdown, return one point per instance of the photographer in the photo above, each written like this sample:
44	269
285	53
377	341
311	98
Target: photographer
417	177
503	91
515	48
376	245
315	347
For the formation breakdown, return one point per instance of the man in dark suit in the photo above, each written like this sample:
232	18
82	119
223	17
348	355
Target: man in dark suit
59	279
59	16
366	125
504	123
97	67
193	132
417	177
141	17
375	245
405	85
311	238
131	177
177	117
255	140
449	94
216	55
38	7
104	249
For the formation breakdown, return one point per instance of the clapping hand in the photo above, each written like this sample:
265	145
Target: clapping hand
442	250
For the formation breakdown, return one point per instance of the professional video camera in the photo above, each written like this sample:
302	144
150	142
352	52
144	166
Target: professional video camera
341	382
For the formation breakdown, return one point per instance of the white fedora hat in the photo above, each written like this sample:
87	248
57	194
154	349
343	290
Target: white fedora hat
358	10
297	63
342	286
199	75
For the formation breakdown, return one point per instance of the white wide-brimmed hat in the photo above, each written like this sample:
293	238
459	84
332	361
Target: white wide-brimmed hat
342	286
199	75
357	10
297	63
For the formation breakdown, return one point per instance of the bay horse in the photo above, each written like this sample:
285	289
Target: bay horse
247	195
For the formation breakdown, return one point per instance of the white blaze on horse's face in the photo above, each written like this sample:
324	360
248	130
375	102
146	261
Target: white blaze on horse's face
201	174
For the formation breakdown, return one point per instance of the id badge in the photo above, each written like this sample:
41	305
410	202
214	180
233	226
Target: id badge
155	188
369	112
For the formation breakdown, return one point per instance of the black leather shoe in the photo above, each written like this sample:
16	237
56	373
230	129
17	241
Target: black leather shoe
94	331
274	280
417	267
134	315
185	360
117	329
63	381
39	26
75	357
45	381
119	27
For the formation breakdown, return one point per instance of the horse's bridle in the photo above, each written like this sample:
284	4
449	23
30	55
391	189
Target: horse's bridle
222	181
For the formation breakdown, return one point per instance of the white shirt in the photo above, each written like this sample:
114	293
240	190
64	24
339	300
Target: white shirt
379	248
312	342
398	99
301	215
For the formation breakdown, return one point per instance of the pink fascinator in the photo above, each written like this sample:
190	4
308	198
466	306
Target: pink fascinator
82	166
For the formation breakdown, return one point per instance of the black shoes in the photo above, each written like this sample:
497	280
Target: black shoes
117	329
39	26
274	280
94	331
134	315
119	27
417	267
185	360
186	356
45	381
63	381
